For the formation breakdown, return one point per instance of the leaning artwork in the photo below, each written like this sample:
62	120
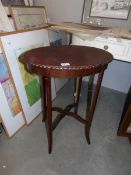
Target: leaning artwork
118	9
28	17
8	88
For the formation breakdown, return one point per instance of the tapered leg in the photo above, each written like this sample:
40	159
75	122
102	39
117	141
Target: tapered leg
89	94
78	82
49	113
44	100
92	102
89	99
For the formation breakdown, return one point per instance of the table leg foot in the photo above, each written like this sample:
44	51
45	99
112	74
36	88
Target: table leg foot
87	134
50	144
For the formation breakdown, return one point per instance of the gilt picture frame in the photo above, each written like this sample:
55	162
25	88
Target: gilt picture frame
115	9
26	17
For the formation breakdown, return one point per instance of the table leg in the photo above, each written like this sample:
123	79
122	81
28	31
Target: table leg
44	100
93	101
49	113
78	83
89	93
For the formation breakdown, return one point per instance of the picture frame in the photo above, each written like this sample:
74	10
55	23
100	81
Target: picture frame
26	17
115	9
14	45
11	112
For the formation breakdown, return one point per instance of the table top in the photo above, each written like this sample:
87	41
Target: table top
66	61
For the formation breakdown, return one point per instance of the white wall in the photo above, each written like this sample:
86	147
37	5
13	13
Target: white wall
63	10
118	76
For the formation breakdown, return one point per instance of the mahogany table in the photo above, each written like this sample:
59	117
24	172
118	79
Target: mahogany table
67	62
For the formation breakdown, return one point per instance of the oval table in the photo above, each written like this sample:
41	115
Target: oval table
67	62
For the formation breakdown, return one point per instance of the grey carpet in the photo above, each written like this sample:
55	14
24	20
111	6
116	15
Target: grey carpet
27	154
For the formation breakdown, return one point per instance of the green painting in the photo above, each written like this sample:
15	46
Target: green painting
33	91
31	84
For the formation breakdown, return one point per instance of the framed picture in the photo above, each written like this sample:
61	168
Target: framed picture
8	88
27	85
11	112
13	2
26	17
117	9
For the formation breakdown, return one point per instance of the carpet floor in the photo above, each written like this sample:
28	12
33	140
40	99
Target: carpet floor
27	152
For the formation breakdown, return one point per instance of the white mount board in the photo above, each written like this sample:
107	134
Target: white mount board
13	45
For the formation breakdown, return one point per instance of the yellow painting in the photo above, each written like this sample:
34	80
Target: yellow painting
30	81
26	77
